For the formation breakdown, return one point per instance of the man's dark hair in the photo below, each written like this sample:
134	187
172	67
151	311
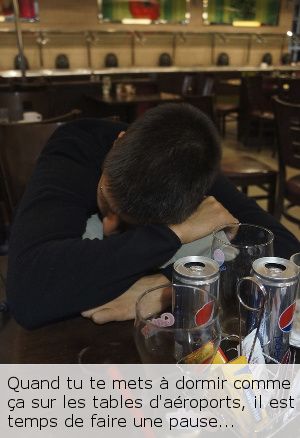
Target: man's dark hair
161	169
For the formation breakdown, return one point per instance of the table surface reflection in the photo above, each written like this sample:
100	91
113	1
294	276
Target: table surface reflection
133	99
76	340
73	341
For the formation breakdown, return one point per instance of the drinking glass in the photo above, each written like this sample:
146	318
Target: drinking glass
295	333
235	247
162	335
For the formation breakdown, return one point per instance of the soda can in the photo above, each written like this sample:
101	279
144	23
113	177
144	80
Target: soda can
295	333
189	307
279	278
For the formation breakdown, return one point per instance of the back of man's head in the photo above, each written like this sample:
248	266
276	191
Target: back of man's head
161	169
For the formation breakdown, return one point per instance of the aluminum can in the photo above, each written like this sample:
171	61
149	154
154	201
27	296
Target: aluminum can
189	307
295	333
280	279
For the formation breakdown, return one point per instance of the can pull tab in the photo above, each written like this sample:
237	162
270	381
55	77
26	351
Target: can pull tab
195	266
259	309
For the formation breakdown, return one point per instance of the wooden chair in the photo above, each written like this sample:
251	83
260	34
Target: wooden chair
289	89
203	103
20	147
227	102
226	111
242	170
288	135
245	171
255	109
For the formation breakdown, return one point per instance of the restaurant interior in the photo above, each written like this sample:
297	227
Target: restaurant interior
237	61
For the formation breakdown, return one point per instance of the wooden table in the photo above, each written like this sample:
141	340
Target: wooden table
73	341
138	98
128	108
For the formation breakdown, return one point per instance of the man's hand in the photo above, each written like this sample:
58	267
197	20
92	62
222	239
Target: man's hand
209	215
123	307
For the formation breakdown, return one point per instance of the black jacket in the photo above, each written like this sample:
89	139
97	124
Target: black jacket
52	272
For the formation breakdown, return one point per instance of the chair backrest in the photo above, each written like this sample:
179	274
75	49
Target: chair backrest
252	94
287	116
20	147
188	84
203	103
208	86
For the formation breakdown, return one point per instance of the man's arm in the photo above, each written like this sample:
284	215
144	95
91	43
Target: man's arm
123	307
52	272
209	215
247	211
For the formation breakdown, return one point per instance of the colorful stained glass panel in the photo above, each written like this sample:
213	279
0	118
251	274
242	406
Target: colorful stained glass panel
163	11
28	10
265	12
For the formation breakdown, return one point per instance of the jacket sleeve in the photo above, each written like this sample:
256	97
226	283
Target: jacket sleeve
247	211
52	272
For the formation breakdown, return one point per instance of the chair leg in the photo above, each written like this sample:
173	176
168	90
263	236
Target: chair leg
271	197
223	125
220	123
247	133
245	190
279	203
260	134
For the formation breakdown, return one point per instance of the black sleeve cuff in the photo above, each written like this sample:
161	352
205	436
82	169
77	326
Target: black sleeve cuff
167	271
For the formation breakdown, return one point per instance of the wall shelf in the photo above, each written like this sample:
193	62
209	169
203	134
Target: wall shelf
89	39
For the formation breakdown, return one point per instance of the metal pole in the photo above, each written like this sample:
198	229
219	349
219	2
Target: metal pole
132	49
88	42
19	38
174	47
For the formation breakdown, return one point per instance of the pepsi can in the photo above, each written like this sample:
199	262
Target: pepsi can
279	277
190	274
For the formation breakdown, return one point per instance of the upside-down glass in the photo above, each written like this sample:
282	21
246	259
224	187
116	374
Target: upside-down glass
160	338
235	247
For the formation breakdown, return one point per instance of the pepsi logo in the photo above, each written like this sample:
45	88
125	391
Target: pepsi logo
205	314
286	318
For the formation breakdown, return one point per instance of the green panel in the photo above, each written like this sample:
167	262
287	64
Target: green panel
170	10
227	11
267	12
115	10
219	5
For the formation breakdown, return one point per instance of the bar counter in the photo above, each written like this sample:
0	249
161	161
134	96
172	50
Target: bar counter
145	70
